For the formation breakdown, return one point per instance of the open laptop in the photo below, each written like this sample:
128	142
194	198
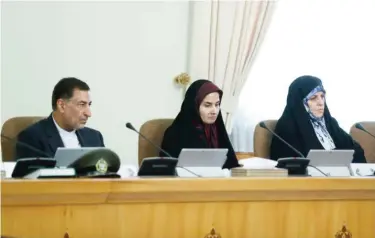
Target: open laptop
202	157
204	162
66	156
332	162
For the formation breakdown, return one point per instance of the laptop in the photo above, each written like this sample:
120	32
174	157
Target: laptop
66	156
202	157
332	162
202	162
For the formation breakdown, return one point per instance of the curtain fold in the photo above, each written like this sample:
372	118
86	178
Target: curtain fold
226	37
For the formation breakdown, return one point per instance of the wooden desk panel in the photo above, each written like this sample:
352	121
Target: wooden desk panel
163	208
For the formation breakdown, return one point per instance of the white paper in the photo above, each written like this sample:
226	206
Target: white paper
257	163
363	169
8	167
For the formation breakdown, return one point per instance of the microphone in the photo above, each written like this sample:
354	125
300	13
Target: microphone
157	166
26	145
25	166
263	125
131	127
360	127
295	166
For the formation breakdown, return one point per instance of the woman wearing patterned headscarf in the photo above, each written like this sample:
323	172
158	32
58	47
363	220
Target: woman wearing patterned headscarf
199	123
307	124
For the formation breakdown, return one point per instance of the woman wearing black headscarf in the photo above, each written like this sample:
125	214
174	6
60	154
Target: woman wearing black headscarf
199	123
307	124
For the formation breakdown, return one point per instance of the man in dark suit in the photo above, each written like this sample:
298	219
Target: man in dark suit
65	127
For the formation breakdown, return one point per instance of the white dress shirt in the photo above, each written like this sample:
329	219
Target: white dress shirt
69	138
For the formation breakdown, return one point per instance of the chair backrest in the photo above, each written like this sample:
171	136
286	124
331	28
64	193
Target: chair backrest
366	141
153	130
11	128
262	139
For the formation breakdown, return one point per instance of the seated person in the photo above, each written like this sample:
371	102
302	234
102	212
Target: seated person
306	123
199	123
65	127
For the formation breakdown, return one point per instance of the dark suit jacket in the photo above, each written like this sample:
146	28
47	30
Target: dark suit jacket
45	137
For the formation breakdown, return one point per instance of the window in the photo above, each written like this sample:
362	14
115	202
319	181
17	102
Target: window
333	40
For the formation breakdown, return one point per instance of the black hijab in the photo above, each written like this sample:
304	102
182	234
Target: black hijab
295	126
188	130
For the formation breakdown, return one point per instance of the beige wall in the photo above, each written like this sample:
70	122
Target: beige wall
128	52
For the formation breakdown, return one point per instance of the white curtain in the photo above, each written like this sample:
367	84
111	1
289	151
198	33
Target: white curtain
333	40
225	37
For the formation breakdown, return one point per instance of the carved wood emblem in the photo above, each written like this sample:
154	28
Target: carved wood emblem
343	233
213	234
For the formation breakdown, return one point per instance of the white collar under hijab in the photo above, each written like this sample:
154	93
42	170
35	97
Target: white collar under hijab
319	124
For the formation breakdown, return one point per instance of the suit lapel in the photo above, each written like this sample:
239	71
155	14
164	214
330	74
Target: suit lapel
80	138
54	139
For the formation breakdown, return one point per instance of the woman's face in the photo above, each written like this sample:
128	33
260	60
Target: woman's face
209	108
316	104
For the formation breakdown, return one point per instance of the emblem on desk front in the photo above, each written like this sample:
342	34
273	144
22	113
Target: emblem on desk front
343	233
101	166
66	235
213	234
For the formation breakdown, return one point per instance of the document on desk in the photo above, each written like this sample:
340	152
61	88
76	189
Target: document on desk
258	167
257	163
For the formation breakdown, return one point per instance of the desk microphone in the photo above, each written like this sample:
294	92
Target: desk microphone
131	127
360	127
295	166
28	165
263	125
15	140
157	166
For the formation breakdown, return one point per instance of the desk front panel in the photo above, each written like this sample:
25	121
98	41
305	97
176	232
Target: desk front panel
136	209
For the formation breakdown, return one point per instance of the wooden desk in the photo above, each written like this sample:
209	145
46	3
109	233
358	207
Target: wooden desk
188	208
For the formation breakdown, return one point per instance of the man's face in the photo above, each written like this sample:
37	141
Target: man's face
76	110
